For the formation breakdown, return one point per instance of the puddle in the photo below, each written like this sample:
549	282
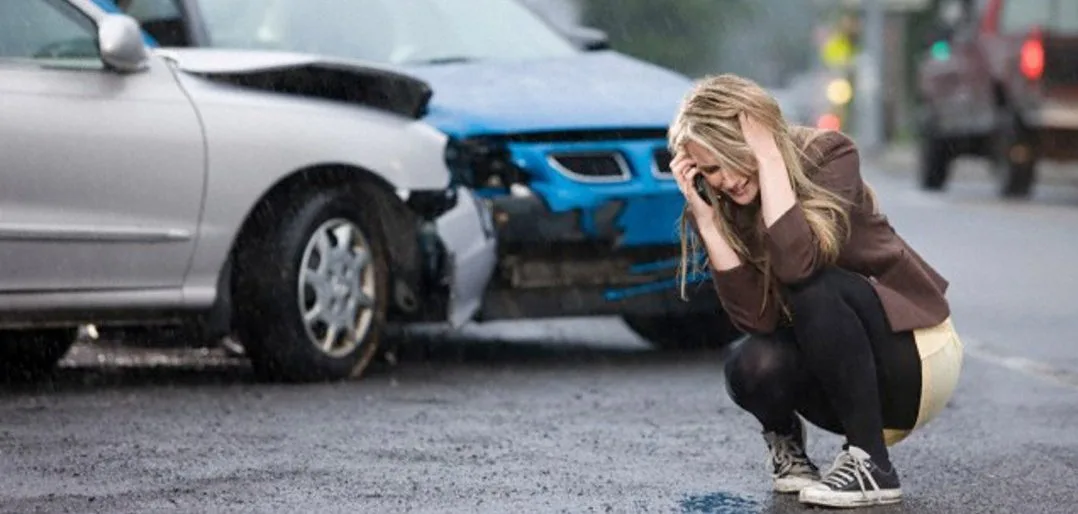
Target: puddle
718	503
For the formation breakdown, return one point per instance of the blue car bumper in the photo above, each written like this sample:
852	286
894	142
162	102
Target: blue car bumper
583	244
644	206
550	265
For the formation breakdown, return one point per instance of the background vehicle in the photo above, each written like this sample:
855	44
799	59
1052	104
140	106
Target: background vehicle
566	142
1001	82
150	188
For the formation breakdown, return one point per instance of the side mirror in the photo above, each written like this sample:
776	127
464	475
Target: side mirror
589	39
119	40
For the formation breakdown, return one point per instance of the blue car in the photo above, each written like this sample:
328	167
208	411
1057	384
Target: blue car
565	137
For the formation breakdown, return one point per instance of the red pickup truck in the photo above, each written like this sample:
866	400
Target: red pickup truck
1001	83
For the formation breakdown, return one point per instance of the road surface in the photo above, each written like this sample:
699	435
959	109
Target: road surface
574	416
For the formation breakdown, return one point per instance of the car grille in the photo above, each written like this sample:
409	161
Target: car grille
592	166
662	162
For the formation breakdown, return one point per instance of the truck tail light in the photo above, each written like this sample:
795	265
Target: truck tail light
1031	58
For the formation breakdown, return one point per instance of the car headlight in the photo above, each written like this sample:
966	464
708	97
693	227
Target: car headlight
482	163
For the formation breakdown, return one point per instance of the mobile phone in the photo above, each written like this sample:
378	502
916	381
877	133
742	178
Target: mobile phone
700	184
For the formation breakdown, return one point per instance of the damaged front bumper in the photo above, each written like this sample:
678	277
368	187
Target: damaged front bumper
586	224
552	264
463	252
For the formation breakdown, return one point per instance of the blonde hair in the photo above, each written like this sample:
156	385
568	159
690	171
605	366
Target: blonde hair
708	116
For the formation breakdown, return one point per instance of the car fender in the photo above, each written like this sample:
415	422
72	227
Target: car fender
257	139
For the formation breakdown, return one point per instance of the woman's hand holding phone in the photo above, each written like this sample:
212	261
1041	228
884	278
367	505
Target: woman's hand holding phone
721	256
700	184
692	185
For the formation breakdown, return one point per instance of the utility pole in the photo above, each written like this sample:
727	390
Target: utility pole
869	95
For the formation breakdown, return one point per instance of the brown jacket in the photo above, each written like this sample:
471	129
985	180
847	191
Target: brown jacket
912	293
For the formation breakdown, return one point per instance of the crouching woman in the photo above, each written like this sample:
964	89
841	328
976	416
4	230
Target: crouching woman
849	327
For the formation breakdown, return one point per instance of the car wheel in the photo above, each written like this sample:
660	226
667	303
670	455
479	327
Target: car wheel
688	332
31	354
312	286
936	155
1014	156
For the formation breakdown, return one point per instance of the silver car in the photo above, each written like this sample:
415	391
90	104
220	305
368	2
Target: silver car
291	200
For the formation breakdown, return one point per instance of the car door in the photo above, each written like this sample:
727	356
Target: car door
101	173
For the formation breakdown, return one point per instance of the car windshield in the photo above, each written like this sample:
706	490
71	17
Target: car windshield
1061	17
386	31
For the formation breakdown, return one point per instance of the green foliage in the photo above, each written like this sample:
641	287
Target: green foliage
683	35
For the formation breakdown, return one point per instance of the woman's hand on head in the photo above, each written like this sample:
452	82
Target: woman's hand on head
777	195
759	138
684	170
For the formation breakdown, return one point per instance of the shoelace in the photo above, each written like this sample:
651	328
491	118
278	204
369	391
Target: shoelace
786	455
847	468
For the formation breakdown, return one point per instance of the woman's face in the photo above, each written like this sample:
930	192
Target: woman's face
739	188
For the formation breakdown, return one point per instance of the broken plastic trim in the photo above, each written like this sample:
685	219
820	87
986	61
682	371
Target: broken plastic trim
482	163
430	204
391	92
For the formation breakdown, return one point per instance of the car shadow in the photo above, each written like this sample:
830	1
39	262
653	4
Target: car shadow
112	365
536	353
115	365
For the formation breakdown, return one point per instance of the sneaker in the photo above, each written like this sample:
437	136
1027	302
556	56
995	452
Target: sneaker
854	481
792	470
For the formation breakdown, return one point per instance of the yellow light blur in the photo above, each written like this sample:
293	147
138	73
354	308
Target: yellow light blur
839	91
838	51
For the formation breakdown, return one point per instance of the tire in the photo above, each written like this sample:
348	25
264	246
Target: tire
27	355
688	332
935	155
285	248
1014	156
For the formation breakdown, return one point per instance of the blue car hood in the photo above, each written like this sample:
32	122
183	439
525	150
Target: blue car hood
593	90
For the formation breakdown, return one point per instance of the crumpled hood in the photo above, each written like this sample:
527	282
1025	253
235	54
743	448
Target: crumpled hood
216	60
592	90
343	80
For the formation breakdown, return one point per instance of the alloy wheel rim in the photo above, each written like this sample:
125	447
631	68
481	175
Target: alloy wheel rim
336	286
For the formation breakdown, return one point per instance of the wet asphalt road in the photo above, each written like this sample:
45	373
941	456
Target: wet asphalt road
577	416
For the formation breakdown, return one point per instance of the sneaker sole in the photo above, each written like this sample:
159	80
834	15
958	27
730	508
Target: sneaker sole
828	498
789	485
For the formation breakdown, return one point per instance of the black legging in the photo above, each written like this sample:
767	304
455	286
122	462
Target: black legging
840	366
